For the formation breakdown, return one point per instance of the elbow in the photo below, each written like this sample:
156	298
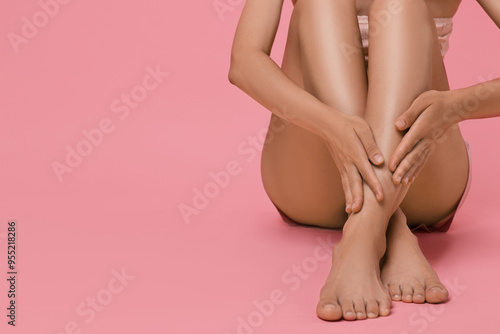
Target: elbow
235	75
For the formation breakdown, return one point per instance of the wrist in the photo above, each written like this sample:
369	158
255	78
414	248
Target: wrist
458	105
327	125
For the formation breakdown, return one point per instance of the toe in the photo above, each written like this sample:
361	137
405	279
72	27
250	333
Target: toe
348	310
360	308
329	310
372	308
395	292
407	293
418	293
384	306
435	292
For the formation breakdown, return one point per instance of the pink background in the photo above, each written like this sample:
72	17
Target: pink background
119	208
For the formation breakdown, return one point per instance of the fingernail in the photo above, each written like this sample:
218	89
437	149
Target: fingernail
398	179
405	181
378	158
379	197
413	179
400	123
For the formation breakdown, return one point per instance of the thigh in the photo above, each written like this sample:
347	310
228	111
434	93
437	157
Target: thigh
300	176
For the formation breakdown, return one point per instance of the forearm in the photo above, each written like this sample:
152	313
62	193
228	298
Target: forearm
261	78
477	101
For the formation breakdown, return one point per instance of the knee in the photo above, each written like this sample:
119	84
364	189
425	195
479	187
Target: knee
382	11
315	9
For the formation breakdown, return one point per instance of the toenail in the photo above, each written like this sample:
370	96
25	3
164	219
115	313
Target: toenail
420	296
396	296
436	289
372	315
360	314
329	307
349	313
408	296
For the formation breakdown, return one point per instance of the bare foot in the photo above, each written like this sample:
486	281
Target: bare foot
405	270
353	289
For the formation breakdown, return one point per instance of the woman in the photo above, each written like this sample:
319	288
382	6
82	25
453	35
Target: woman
351	133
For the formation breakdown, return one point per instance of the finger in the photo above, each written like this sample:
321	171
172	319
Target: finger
406	145
418	163
419	169
405	120
356	185
408	161
365	135
347	191
415	166
369	176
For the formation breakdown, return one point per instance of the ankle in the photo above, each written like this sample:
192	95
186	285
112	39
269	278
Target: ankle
374	238
400	233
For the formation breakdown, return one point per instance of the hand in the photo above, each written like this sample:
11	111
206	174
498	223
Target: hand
352	146
428	118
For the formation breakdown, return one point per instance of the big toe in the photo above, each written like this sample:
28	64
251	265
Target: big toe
329	310
435	292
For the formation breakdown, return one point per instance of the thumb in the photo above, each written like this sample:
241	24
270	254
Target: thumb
404	121
365	135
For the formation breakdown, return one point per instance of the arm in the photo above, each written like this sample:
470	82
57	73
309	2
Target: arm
479	101
348	138
255	73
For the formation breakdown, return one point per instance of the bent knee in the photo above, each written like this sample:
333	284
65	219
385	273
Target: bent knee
382	11
314	9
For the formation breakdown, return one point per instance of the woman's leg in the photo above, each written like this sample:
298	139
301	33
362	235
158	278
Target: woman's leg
301	177
403	63
405	60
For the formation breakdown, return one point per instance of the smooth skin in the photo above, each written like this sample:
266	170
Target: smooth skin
334	117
